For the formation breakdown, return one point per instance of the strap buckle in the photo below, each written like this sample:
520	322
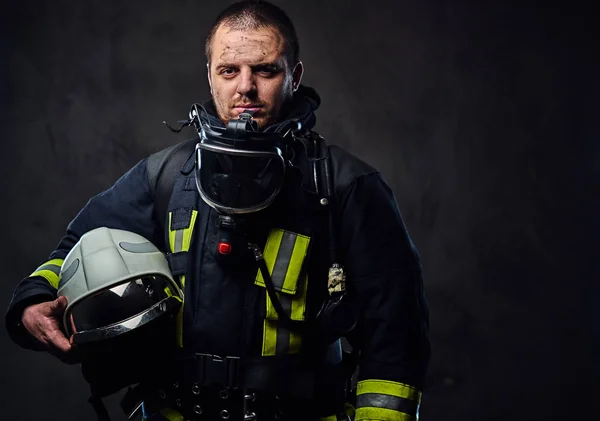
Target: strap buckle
213	369
178	262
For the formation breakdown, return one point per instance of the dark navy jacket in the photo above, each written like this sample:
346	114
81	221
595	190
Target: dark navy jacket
223	312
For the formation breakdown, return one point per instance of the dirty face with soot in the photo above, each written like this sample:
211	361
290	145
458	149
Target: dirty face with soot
248	70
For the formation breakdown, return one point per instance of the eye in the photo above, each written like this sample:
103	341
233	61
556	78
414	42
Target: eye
227	71
267	71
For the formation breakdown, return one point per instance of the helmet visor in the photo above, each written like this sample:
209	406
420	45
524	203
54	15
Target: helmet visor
120	305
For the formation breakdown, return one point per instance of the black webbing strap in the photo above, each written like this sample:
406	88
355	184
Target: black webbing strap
162	168
325	189
284	319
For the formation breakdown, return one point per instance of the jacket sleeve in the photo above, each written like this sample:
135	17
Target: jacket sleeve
383	267
127	205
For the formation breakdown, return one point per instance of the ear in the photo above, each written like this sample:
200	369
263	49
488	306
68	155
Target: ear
208	75
297	75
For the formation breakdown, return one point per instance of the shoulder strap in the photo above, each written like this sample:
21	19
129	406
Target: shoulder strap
162	168
323	177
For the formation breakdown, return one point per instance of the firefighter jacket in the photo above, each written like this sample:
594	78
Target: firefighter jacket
227	310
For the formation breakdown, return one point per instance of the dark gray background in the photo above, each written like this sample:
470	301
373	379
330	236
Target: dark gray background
481	115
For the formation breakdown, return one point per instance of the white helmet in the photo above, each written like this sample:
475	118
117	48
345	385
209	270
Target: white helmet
115	282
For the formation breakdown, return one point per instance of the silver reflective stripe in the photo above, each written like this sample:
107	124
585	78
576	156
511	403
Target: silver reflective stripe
69	272
282	345
146	247
379	400
52	268
178	241
284	257
283	335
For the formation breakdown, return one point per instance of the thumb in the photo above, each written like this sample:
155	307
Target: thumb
57	307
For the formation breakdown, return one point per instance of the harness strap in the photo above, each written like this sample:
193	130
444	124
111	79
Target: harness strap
162	168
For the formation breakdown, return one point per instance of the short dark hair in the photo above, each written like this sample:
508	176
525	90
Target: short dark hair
254	14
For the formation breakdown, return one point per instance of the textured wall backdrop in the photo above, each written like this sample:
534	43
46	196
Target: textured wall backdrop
482	117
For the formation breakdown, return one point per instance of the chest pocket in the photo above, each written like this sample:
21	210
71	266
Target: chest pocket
285	255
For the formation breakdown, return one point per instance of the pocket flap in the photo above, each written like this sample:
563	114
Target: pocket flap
284	254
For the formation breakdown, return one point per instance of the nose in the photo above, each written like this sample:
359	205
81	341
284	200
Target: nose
246	83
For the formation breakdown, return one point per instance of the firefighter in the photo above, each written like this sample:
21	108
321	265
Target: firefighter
279	243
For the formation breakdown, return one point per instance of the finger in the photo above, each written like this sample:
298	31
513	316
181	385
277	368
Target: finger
57	307
62	348
53	335
59	341
50	326
52	308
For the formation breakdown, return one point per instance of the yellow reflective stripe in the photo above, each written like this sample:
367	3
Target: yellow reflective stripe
169	293
180	241
278	340
171	415
179	317
269	338
284	254
298	313
295	306
55	262
370	413
271	312
295	342
388	387
179	329
50	276
296	263
270	253
171	234
329	418
187	232
50	271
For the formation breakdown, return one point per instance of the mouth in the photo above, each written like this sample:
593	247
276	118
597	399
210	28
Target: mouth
247	107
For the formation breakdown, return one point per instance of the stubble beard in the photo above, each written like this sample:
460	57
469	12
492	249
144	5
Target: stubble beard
269	118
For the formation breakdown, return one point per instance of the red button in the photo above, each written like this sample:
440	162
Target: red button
224	248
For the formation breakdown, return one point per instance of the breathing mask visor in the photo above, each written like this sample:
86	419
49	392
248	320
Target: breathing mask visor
240	169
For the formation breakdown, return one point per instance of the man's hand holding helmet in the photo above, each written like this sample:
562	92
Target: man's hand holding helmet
43	322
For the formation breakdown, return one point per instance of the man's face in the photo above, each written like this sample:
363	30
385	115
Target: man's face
248	71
